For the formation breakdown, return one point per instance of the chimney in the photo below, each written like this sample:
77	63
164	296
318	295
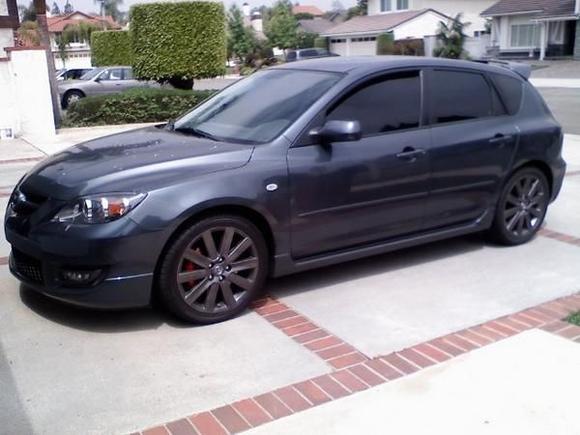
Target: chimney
577	8
246	9
257	23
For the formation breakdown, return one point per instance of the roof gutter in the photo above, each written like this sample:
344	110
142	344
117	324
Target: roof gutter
513	13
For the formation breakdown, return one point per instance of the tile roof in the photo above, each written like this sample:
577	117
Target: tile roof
540	8
59	22
376	23
318	25
307	9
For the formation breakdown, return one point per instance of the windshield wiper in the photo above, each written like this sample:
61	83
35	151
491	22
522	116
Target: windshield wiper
197	132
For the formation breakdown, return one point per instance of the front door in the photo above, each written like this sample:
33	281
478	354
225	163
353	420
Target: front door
352	193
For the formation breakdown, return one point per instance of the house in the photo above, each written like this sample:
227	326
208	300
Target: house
406	19
358	36
542	28
78	52
307	9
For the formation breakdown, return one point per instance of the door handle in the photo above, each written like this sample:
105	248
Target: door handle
410	154
500	138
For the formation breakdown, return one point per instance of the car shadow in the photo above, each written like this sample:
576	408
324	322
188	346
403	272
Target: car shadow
94	320
379	264
118	321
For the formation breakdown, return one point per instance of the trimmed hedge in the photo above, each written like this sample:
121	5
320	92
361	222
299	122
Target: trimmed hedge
111	47
178	41
135	105
385	43
321	42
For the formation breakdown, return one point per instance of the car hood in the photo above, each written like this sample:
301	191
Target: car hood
138	160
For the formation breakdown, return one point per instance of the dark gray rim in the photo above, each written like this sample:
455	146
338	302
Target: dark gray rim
217	270
525	205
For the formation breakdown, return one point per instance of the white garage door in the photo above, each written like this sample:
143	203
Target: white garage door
366	46
338	46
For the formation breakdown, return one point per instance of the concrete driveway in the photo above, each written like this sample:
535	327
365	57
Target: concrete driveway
65	370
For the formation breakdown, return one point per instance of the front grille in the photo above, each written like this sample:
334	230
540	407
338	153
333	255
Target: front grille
27	267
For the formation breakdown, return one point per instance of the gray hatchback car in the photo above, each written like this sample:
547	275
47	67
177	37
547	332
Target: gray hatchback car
99	81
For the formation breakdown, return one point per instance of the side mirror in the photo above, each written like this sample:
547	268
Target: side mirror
337	131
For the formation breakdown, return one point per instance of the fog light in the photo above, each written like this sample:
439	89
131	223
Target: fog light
79	277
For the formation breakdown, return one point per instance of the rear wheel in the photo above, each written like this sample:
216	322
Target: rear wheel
521	208
71	97
213	270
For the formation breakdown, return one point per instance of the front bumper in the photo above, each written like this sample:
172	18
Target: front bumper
125	254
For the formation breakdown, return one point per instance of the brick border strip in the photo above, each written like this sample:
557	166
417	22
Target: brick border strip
561	237
255	411
325	345
3	261
572	173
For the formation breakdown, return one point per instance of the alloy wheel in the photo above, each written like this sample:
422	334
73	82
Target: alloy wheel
525	205
217	270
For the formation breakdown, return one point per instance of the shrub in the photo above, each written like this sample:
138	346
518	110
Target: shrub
135	105
178	42
409	47
111	48
321	42
385	43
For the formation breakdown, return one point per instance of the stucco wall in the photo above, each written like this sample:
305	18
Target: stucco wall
26	105
423	25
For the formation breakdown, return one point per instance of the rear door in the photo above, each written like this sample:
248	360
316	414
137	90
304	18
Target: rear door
129	80
473	142
352	193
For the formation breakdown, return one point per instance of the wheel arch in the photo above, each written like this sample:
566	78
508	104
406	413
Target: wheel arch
538	164
69	91
239	210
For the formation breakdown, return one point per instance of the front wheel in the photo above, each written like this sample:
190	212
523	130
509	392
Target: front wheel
521	208
213	270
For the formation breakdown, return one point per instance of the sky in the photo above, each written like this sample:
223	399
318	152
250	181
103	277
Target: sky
91	6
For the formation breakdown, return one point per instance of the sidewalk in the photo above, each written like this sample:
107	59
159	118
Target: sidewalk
509	387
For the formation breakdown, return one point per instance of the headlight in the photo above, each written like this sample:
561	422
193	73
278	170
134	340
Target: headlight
98	209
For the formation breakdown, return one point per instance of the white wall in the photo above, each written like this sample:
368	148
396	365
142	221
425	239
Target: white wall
26	105
6	40
423	25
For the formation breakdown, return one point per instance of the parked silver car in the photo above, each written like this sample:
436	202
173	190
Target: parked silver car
99	81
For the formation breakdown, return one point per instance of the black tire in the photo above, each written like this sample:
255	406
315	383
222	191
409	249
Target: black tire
70	97
210	292
521	208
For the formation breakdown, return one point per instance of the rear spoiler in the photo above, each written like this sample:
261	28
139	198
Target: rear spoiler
522	69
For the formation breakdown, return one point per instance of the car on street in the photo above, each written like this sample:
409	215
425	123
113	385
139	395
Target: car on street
99	81
296	167
307	53
71	73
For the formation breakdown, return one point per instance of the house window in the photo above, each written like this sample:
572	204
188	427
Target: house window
524	35
394	5
402	4
386	5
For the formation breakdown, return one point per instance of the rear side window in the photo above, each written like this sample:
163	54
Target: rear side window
510	90
460	96
381	106
291	55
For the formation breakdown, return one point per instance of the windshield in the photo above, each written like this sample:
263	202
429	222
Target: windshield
259	108
91	73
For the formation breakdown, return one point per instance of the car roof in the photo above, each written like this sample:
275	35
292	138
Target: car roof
371	64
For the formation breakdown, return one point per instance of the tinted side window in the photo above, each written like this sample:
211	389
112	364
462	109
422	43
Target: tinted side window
510	90
460	96
384	105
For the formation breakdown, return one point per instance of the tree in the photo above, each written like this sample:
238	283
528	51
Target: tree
282	26
305	39
55	10
361	8
451	38
68	8
80	32
27	13
241	39
111	8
